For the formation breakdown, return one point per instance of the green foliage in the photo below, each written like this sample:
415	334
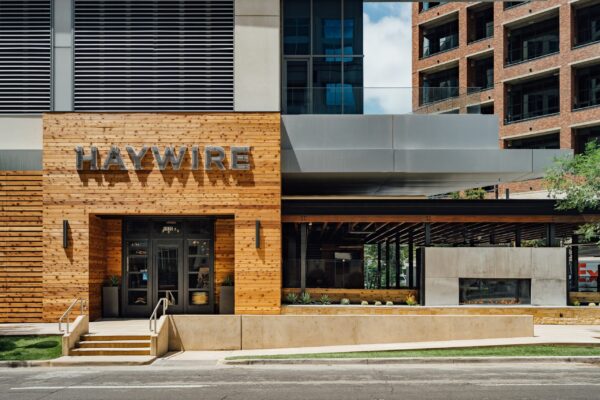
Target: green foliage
228	281
30	347
475	194
576	303
325	300
345	302
364	303
575	182
377	303
533	243
292	298
469	194
113	280
389	303
411	300
305	298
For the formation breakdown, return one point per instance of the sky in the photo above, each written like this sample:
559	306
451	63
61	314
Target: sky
388	59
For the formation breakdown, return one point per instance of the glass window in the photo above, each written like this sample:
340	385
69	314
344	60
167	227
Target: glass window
587	87
327	86
511	4
585	135
551	141
439	86
532	99
327	27
587	25
167	228
353	27
494	291
532	41
296	27
353	86
481	23
440	38
481	74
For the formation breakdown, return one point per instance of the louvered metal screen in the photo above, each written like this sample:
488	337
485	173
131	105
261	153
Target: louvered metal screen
153	55
25	56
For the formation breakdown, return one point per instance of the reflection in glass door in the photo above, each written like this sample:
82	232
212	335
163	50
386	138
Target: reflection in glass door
137	277
169	258
199	276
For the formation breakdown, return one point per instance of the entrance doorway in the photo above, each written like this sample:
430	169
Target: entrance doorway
168	257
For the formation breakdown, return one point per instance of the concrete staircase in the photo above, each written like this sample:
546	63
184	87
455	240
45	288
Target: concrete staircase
112	345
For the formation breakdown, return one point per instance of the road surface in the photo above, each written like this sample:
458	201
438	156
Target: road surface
204	382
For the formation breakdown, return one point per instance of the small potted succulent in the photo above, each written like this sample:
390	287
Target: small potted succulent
110	297
227	296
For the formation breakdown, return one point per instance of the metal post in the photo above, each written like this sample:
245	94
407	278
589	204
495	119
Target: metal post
303	237
411	259
397	253
387	264
507	193
379	265
575	263
427	227
550	235
496	191
518	237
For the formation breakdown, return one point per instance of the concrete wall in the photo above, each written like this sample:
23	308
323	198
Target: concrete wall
230	332
257	55
21	133
544	266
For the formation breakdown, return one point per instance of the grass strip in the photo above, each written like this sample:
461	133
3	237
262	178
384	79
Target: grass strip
497	351
17	348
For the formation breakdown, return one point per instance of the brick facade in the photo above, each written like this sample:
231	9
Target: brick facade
562	63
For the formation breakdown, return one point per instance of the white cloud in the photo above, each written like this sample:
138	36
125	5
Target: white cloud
388	58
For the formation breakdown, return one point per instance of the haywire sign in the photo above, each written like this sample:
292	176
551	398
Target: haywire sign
213	156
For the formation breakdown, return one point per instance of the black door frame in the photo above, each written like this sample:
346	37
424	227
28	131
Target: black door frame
151	238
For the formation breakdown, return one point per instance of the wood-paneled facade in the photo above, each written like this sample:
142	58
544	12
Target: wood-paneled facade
94	201
21	290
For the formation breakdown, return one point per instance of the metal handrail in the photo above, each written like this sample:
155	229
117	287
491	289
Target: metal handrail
68	312
165	302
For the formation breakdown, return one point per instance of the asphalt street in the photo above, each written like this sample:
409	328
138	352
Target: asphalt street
434	381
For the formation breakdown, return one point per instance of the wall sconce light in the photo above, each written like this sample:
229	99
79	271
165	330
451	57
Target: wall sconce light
65	233
258	234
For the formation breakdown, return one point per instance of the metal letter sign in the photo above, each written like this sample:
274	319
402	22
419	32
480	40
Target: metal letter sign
169	157
214	158
92	159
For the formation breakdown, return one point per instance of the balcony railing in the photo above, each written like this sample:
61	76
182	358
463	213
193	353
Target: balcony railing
347	99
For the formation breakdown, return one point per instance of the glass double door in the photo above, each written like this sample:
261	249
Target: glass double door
179	269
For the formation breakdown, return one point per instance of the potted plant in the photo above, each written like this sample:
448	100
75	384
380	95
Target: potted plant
227	296
110	297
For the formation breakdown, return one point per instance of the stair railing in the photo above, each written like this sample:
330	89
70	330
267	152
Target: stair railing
163	303
65	317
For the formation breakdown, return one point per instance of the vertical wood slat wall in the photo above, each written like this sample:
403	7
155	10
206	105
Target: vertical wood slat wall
21	289
81	197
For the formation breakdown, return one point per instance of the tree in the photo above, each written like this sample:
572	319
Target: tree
575	183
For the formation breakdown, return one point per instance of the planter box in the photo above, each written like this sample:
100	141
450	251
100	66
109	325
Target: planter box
226	300
110	301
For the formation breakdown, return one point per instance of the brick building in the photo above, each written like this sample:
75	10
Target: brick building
535	64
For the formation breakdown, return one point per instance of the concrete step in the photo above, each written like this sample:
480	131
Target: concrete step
108	338
110	352
123	344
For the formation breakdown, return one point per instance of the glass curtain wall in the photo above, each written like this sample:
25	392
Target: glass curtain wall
323	57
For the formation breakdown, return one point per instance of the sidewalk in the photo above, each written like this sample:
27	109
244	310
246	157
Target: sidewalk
544	334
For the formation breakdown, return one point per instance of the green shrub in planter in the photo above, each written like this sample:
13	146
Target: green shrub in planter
325	300
576	303
345	302
377	303
292	298
592	304
364	303
305	298
389	303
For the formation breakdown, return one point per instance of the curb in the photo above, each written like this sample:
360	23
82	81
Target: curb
412	360
55	363
24	364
